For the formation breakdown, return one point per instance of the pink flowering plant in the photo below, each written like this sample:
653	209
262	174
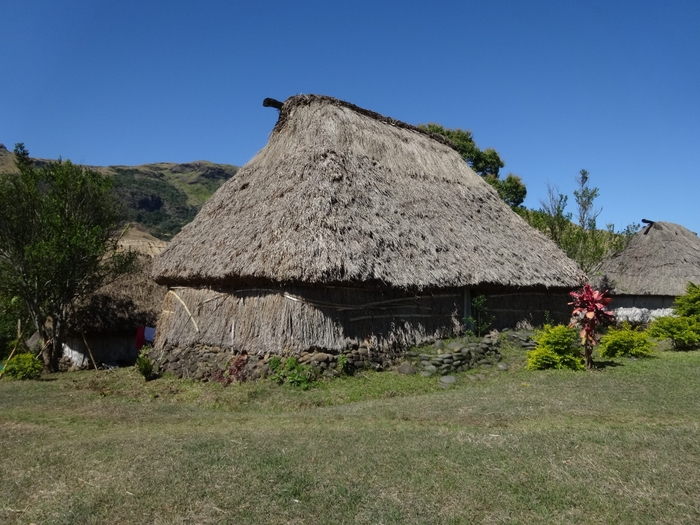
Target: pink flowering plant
590	314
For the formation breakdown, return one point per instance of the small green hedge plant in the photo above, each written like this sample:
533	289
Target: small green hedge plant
23	366
684	332
144	364
625	342
293	372
688	305
557	347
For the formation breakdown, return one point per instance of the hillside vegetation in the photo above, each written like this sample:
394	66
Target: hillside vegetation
162	197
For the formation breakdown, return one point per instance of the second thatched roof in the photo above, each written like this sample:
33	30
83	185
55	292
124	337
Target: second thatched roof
660	260
342	195
133	299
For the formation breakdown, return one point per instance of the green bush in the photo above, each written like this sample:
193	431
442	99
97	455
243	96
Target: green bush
24	366
684	332
557	347
688	305
625	342
144	364
293	372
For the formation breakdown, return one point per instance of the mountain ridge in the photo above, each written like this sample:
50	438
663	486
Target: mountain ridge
162	196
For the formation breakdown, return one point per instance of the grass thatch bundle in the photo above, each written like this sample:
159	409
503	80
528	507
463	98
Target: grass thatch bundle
659	261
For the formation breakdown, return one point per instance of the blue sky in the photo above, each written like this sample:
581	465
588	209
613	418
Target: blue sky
554	86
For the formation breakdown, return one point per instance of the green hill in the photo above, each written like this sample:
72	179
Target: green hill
162	197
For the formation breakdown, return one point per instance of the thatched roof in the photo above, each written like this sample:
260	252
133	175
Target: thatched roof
660	260
137	239
133	299
344	195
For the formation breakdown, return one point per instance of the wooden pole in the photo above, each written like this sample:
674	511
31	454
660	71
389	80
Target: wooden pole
88	348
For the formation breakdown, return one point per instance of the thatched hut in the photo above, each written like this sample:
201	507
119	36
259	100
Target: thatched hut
349	229
654	268
109	318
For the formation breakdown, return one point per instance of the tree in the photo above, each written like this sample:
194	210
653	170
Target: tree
486	163
511	190
58	226
582	242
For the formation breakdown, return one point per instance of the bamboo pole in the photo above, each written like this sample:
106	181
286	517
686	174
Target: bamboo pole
186	309
88	348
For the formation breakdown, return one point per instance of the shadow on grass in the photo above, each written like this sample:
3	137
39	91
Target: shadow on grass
602	364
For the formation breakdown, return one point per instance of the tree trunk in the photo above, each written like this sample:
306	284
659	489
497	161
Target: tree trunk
53	346
589	357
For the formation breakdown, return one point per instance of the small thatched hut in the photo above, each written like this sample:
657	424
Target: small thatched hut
654	268
349	229
109	318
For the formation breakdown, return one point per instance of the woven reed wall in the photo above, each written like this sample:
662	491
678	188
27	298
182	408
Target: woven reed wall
535	307
294	319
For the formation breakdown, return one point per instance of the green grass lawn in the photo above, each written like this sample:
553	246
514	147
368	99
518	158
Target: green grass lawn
618	445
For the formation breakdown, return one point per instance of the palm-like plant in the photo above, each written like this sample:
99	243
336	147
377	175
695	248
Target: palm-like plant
590	313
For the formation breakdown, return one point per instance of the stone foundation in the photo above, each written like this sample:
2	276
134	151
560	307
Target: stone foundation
202	362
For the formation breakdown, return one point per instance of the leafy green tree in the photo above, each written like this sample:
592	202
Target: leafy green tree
511	189
486	163
58	226
688	304
584	242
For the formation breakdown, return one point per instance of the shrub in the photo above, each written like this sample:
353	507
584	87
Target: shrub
625	342
590	313
556	348
684	332
24	366
343	366
144	364
293	372
688	305
480	321
235	369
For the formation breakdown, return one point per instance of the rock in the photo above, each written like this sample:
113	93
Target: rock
430	368
425	373
480	377
320	357
406	368
411	354
439	344
502	366
448	380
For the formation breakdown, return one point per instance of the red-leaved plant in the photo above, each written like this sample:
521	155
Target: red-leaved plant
590	313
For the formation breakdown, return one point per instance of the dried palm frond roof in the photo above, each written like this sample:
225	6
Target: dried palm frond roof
133	299
344	195
135	238
659	260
